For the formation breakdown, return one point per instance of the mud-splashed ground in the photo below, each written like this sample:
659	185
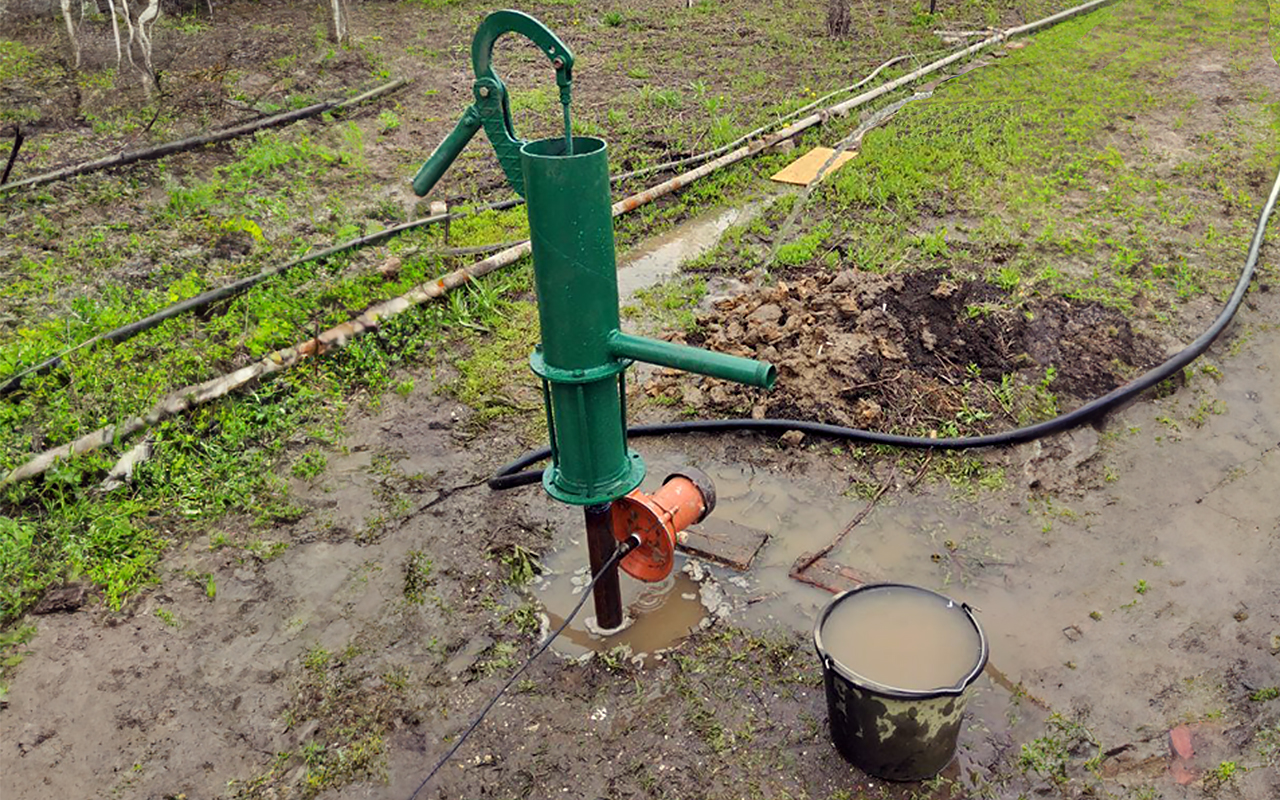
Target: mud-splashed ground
912	352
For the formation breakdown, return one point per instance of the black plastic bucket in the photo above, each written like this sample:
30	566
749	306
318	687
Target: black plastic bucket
889	732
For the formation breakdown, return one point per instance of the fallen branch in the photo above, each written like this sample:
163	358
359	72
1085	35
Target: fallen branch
204	299
805	561
122	472
13	153
169	148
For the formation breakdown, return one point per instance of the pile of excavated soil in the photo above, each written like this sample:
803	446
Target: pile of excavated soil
910	352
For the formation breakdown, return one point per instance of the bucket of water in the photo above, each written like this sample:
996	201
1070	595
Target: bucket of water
896	661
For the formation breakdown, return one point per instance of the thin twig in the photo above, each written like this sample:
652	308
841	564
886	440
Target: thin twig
920	473
13	153
804	562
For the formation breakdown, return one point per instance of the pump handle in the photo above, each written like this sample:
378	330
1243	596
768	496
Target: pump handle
492	108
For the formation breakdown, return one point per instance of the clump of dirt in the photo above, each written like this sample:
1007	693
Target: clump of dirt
911	351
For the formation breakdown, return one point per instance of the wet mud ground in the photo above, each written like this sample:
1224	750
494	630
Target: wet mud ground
1139	595
1125	575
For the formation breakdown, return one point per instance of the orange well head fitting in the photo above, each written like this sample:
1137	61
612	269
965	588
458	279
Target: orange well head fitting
685	498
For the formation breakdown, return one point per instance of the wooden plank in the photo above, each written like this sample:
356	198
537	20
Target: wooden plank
830	575
804	169
723	541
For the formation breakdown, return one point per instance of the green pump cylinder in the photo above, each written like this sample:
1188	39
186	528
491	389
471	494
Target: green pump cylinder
583	353
571	231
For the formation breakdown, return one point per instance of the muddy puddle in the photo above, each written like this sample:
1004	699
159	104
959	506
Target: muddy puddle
658	615
660	258
898	541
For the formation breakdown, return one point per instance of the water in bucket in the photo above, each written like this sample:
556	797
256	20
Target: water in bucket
896	661
903	638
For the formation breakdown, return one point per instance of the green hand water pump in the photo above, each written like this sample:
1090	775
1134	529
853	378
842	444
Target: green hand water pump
583	356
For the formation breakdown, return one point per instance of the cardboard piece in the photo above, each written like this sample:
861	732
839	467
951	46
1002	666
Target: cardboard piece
804	169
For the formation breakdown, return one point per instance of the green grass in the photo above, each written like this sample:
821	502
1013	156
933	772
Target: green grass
1024	149
671	305
221	456
16	60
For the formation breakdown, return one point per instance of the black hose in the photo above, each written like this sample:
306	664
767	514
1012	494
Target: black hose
515	474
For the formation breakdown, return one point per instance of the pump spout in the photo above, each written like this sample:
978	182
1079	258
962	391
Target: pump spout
692	359
443	156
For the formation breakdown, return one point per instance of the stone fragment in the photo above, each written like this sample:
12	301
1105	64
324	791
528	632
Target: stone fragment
468	655
1180	742
769	312
868	411
66	599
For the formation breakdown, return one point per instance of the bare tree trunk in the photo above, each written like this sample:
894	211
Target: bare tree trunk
128	22
340	34
115	29
838	21
146	23
71	31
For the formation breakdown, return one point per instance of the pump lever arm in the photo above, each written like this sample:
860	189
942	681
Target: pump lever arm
443	156
492	108
508	21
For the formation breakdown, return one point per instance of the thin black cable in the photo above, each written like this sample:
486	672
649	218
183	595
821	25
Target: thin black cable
625	547
512	476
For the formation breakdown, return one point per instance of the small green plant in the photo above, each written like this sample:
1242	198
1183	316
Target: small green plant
1268	742
1268	693
388	121
1008	277
404	388
525	618
501	658
615	659
309	465
804	249
167	617
1141	587
1223	773
316	659
12	651
1051	754
522	565
661	98
934	243
613	19
210	587
417	577
266	550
